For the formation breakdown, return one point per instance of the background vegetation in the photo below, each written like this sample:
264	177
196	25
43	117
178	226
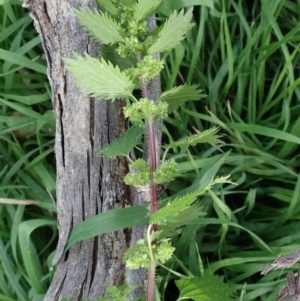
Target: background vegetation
245	55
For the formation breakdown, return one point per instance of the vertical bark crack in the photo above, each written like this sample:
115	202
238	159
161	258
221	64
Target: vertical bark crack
92	122
88	168
61	127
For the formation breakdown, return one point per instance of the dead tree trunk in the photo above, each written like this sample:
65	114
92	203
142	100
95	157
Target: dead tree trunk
86	184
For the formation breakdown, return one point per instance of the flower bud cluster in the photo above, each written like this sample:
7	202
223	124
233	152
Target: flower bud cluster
146	109
148	68
138	256
141	177
166	172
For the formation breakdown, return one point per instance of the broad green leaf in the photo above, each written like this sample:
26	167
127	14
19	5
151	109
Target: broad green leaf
124	144
108	221
209	136
207	288
145	8
99	78
109	6
173	32
177	96
100	26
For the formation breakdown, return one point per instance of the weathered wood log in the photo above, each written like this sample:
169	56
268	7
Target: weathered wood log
86	184
291	292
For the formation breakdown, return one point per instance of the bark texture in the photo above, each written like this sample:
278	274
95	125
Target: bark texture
86	184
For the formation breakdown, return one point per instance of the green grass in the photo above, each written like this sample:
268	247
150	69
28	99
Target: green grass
27	174
246	58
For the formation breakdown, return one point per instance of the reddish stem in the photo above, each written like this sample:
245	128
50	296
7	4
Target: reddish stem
153	186
151	283
153	167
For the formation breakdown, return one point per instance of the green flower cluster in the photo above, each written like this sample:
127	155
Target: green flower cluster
130	48
146	109
133	27
138	256
136	32
164	250
139	178
148	68
166	172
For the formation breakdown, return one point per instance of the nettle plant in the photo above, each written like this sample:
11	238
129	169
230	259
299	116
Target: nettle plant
122	25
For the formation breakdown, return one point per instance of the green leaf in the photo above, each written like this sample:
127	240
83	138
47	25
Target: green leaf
109	53
145	8
108	221
180	204
120	293
129	2
183	218
108	6
140	164
173	32
208	136
124	144
29	253
21	60
207	288
177	96
99	78
177	205
100	26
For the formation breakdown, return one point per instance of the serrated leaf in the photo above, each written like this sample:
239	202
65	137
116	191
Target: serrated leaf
99	78
207	288
177	205
129	2
182	203
173	32
209	136
124	144
145	8
120	293
140	164
183	218
100	26
177	96
109	53
108	6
